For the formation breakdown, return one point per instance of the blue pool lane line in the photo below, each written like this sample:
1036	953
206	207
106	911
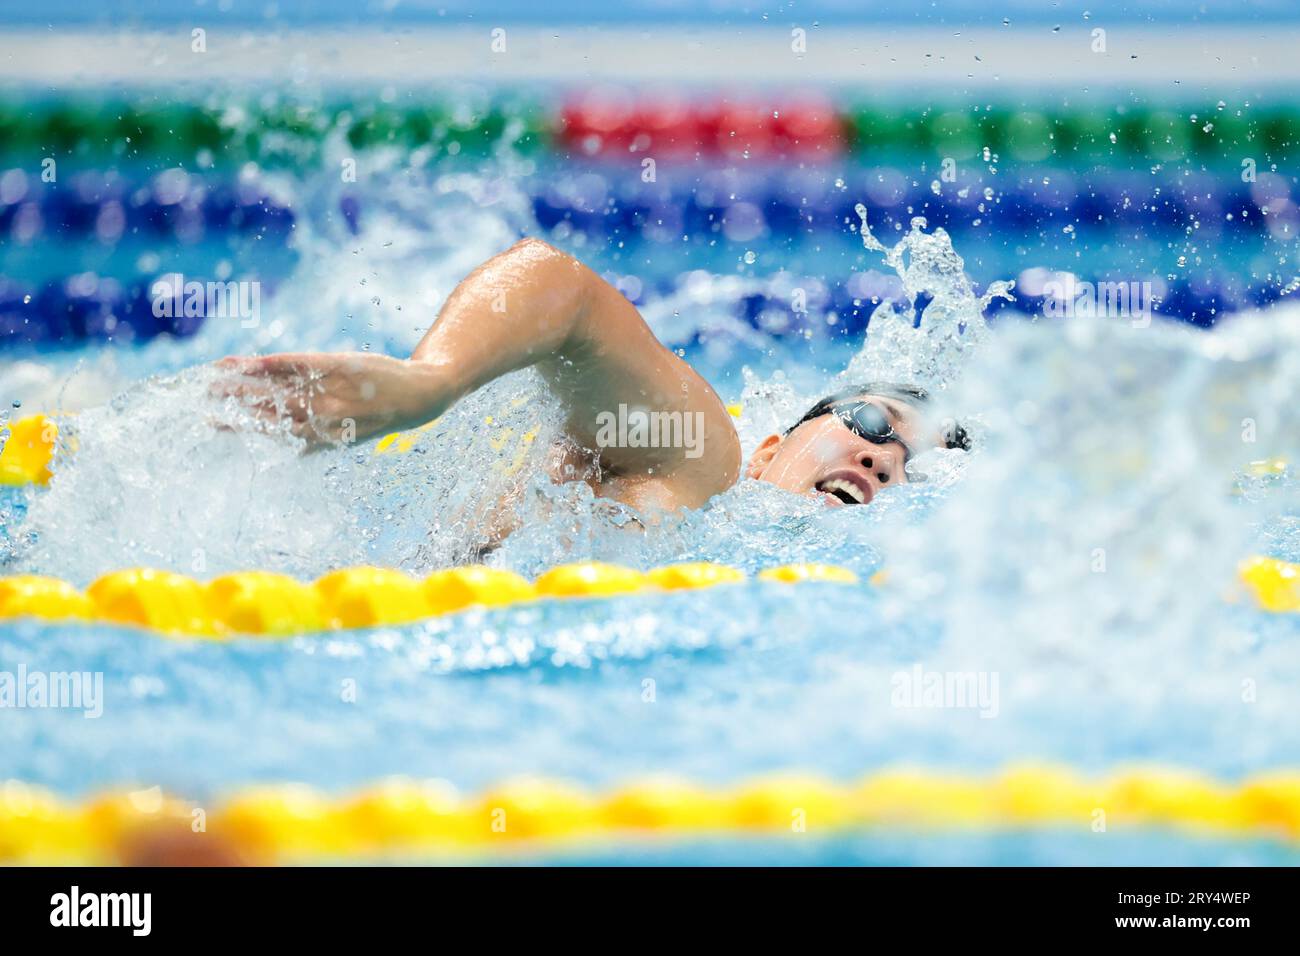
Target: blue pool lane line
104	204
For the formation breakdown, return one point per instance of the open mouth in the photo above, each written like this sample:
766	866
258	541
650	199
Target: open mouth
848	492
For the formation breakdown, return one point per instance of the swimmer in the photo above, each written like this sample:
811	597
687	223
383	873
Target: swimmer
534	306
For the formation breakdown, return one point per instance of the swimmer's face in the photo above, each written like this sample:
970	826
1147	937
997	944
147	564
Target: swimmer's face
824	458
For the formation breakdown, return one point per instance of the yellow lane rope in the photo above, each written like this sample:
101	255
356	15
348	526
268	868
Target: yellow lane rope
276	605
291	823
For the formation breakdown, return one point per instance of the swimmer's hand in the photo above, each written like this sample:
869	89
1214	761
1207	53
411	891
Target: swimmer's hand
334	397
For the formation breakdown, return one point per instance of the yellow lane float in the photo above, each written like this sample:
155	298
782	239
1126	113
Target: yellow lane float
29	595
1274	584
261	602
798	573
28	448
456	588
590	579
1267	468
698	574
159	600
369	597
662	804
414	818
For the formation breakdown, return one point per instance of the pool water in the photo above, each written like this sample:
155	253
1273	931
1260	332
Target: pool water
1082	557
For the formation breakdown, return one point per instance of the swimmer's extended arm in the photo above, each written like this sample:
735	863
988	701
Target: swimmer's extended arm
530	306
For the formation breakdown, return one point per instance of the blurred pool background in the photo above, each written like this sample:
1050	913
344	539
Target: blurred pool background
356	166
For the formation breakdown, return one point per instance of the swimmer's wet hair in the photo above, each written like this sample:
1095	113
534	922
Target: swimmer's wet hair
954	436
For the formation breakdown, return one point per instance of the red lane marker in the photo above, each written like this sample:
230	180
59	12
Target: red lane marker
611	123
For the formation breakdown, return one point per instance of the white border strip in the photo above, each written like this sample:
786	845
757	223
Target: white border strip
1177	58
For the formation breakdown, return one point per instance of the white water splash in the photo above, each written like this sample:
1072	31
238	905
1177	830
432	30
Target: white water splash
932	352
1103	511
152	480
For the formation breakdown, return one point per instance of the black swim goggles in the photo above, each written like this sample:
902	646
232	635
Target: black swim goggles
864	418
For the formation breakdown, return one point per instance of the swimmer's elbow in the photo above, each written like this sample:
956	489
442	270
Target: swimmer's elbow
531	253
568	290
531	245
537	262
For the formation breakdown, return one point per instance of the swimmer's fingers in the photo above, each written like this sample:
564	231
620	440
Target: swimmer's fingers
278	393
324	398
294	406
261	373
249	395
259	414
269	366
264	405
274	385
